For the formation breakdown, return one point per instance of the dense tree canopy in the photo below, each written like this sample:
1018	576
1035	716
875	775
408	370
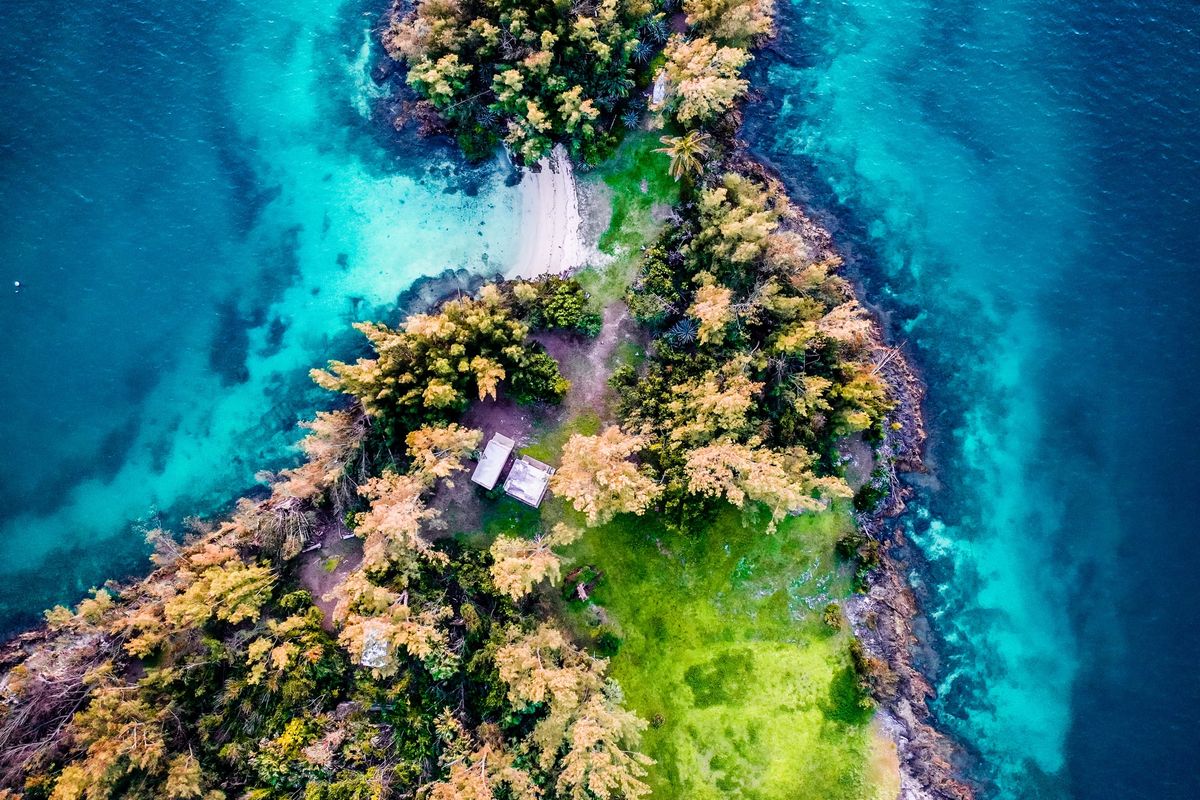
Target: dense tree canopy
527	72
210	680
433	365
584	722
760	360
555	303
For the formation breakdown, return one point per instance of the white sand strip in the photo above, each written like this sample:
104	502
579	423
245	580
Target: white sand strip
550	222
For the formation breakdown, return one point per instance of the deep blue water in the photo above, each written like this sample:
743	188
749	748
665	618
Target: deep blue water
196	201
1015	182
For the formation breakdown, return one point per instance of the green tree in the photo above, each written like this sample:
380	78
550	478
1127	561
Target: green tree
734	22
231	591
520	564
430	368
705	78
686	152
599	480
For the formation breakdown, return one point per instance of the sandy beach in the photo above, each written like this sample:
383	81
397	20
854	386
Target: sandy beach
550	220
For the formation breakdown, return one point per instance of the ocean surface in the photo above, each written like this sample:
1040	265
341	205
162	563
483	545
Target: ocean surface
1016	185
197	201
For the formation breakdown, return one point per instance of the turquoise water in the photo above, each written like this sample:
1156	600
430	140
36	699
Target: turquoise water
197	201
1015	184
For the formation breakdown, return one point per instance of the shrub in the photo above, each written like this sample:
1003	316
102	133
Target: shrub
872	492
875	678
832	616
539	379
562	304
862	551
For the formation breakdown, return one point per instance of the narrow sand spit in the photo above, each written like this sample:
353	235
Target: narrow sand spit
550	221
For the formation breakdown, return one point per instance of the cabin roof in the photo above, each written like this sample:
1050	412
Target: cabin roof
376	647
492	462
527	480
659	93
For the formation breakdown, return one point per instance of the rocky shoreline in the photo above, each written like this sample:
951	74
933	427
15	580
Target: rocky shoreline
886	619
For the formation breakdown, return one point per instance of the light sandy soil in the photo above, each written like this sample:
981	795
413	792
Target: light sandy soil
551	242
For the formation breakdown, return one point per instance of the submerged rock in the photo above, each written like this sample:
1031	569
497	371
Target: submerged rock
383	69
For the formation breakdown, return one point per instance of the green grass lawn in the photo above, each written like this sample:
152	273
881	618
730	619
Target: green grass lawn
549	443
717	639
722	647
638	179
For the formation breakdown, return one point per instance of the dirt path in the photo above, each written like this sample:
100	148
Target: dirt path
321	570
588	363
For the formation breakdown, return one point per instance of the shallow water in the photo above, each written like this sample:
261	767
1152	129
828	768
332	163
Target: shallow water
1015	185
196	204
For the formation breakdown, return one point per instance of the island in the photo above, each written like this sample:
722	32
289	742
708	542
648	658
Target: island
610	524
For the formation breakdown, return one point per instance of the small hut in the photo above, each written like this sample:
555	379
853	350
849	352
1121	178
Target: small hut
658	94
527	480
491	463
376	646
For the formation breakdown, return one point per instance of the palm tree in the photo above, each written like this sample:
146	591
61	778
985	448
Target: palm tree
686	152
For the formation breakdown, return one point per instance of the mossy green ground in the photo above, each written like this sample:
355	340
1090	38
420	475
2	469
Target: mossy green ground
723	649
636	180
549	444
717	640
